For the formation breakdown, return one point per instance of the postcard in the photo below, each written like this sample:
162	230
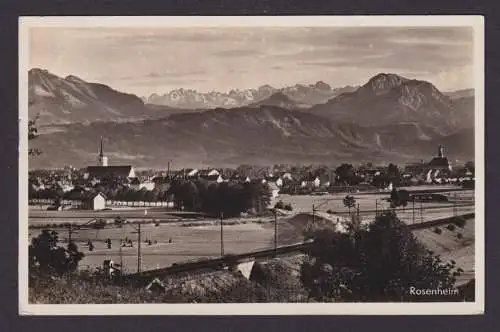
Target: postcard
285	165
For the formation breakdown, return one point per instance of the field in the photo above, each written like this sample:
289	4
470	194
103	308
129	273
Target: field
188	243
369	204
201	238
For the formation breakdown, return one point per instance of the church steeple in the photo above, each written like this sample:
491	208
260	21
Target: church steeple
101	153
103	161
440	152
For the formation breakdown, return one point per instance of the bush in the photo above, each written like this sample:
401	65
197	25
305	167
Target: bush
451	227
460	236
279	205
288	207
437	230
330	211
459	221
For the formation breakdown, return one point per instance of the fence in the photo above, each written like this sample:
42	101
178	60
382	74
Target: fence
110	203
139	203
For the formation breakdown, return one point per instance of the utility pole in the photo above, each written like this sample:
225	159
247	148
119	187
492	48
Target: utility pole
413	215
221	234
70	231
421	211
139	248
314	214
376	207
275	232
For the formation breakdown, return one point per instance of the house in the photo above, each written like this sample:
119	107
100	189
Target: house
310	181
240	179
276	179
95	202
208	172
156	286
148	185
273	189
213	178
190	172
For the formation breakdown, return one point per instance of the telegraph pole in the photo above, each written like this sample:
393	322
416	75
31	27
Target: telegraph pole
275	232
139	248
221	234
413	214
421	211
314	215
70	231
376	207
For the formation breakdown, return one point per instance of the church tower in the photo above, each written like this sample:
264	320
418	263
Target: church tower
440	152
103	160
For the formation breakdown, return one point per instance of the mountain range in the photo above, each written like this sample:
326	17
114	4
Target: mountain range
191	99
388	119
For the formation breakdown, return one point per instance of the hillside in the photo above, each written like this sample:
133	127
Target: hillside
221	137
388	99
57	100
279	99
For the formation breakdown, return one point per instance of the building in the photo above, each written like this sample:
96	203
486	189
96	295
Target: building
276	179
96	202
314	182
213	178
440	162
239	178
208	172
103	170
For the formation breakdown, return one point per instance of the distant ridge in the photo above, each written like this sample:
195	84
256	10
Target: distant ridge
392	99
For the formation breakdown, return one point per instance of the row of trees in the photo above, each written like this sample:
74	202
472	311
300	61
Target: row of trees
231	199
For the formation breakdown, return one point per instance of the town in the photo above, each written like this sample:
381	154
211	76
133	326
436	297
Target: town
103	186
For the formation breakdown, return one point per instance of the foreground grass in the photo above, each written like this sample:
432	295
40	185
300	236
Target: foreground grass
82	289
74	289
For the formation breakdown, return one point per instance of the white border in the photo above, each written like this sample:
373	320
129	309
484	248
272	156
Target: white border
477	22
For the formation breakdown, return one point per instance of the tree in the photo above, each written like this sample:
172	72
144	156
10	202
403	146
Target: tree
380	263
393	174
46	256
349	202
32	134
346	174
399	198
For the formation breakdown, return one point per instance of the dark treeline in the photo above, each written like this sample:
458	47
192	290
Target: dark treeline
213	198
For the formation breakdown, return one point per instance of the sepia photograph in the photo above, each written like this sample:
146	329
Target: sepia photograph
251	165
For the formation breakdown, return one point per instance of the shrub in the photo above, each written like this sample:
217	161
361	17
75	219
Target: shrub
288	207
460	236
437	230
451	227
279	205
330	211
459	221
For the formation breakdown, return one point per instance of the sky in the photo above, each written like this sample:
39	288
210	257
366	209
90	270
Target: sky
156	60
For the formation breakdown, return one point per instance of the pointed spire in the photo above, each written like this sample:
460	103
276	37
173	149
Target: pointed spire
101	153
